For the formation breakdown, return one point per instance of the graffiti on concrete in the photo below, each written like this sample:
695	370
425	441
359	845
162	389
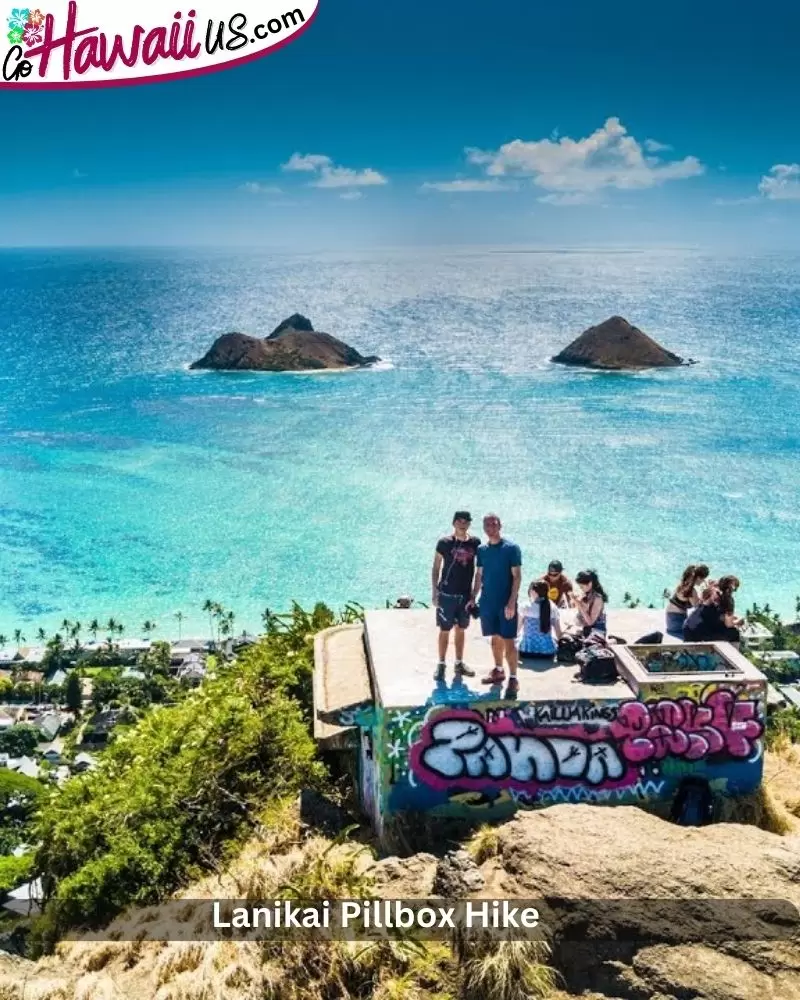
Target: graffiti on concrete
684	727
463	748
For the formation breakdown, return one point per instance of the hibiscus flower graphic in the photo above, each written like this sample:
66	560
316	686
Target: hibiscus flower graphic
15	36
32	35
19	18
36	18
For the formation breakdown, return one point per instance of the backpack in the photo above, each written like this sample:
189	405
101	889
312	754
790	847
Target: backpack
568	648
694	803
598	664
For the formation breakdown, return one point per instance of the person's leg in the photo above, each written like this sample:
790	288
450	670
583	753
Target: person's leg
444	619
497	651
674	624
510	649
444	642
459	643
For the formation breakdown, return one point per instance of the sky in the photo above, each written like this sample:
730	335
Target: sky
447	123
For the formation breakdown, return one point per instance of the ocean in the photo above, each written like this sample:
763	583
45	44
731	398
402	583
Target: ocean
134	488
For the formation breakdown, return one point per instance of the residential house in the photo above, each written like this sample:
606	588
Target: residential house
32	677
192	673
57	677
32	655
84	762
51	752
7	656
26	899
49	725
24	765
6	721
98	728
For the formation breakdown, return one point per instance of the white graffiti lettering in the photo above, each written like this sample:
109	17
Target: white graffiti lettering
463	749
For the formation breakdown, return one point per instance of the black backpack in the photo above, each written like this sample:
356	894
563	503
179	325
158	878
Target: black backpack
598	665
568	648
694	803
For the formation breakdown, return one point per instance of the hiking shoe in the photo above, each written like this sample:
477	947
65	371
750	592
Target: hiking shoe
512	690
441	667
497	676
462	670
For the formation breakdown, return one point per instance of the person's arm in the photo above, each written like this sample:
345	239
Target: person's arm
594	610
436	572
556	619
568	594
476	585
516	579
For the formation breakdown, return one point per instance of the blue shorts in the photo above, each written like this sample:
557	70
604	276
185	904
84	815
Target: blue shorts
451	610
494	622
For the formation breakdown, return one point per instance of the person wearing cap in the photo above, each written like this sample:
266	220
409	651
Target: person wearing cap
451	577
559	585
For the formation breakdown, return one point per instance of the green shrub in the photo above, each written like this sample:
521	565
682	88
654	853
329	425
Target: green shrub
173	789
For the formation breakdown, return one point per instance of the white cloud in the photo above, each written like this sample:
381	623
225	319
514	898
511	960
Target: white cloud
568	198
78	174
467	185
328	175
337	177
608	158
736	201
782	183
654	146
351	195
309	163
255	187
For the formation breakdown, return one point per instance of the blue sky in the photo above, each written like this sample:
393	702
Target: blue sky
435	123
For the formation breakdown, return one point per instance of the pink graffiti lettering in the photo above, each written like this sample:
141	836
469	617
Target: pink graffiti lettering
718	723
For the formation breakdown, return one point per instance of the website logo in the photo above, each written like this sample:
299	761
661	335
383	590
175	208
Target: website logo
93	43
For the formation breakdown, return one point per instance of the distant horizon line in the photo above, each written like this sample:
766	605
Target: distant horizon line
522	247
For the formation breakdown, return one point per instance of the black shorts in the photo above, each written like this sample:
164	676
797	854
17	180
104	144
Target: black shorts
452	610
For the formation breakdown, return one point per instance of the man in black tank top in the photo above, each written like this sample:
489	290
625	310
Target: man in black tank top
451	577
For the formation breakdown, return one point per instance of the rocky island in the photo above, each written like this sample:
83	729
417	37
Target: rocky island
293	346
617	345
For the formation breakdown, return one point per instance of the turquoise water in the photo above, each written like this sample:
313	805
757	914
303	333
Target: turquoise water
132	487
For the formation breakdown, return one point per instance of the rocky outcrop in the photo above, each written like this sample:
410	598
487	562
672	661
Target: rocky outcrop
617	345
293	346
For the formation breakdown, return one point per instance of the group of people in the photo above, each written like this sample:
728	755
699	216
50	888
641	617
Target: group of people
703	610
471	578
478	579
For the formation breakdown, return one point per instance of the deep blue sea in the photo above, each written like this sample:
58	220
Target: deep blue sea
132	487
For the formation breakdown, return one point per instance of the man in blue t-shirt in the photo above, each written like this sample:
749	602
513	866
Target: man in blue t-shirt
497	581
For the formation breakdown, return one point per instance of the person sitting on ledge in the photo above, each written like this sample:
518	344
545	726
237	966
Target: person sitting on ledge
591	603
540	624
559	584
684	598
713	620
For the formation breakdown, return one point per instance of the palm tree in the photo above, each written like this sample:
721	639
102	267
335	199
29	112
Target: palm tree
209	607
94	628
3	640
19	638
179	619
149	627
66	625
75	633
41	635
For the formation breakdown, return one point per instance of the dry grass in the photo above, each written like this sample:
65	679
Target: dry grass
330	871
509	970
484	844
760	808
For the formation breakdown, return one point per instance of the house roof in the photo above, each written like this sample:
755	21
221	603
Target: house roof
85	760
49	725
57	676
25	898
